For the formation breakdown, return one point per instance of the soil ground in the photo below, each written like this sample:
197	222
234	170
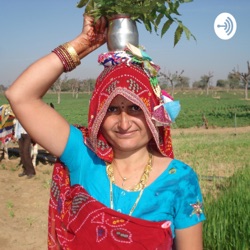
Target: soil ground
24	202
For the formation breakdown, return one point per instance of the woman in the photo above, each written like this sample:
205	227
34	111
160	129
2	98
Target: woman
123	188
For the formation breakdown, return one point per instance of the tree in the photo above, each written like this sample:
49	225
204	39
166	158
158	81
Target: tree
206	79
198	84
171	78
182	82
234	81
204	82
75	87
57	86
88	85
222	83
244	77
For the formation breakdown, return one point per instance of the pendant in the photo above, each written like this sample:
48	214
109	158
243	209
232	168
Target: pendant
123	181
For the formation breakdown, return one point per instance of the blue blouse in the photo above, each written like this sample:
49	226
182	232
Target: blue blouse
174	196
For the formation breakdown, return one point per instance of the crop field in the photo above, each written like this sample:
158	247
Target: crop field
219	108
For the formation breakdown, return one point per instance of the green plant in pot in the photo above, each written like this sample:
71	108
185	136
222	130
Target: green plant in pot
152	13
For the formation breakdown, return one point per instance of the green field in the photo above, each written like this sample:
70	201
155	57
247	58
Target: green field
227	225
220	108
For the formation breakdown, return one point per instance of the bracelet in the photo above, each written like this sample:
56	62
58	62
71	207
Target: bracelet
68	56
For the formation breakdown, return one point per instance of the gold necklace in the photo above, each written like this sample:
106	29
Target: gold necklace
143	180
123	178
138	187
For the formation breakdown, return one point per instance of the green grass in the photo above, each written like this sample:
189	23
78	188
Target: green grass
207	151
73	110
227	226
219	112
218	155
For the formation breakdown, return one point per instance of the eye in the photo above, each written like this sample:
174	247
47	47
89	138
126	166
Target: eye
135	109
112	109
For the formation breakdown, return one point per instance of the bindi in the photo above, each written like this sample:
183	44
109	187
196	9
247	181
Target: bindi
122	105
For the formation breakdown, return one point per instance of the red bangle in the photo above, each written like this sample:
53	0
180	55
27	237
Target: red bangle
68	56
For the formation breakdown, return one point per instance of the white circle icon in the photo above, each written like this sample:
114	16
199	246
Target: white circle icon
225	26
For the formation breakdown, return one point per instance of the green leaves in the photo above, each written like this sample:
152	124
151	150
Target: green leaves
82	3
179	31
149	12
166	26
177	34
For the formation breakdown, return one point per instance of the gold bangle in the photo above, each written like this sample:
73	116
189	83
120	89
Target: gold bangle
68	56
70	49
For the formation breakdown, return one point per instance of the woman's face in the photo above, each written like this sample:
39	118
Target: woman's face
124	126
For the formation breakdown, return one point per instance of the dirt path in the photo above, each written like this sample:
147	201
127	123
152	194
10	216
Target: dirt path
24	202
23	207
201	130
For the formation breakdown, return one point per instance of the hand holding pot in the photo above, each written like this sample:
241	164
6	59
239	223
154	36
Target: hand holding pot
93	36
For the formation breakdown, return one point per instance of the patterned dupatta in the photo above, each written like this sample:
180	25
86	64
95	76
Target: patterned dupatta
135	78
78	221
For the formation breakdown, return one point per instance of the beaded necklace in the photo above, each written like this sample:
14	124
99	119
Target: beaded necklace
138	187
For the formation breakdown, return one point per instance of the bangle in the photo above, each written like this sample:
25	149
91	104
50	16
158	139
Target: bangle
68	56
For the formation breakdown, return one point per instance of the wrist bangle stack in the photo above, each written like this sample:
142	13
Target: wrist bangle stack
68	56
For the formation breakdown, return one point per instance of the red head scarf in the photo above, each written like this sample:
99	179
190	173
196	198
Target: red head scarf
132	82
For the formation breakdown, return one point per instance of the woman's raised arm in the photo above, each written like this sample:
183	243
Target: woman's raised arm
44	124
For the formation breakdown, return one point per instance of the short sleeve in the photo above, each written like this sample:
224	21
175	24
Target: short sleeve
189	209
76	156
75	141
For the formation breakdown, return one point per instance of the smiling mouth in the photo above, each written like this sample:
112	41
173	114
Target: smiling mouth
125	134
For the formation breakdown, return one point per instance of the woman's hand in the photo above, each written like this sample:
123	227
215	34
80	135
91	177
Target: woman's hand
94	32
93	36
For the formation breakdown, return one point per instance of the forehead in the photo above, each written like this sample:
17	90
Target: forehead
120	100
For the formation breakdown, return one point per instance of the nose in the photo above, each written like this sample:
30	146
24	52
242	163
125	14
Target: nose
124	122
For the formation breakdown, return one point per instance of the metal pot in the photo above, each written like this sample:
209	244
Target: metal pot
121	30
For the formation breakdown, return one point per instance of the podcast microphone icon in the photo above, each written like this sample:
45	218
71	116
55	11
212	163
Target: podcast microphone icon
225	26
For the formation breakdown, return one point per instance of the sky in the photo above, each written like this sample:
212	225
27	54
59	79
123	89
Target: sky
31	29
